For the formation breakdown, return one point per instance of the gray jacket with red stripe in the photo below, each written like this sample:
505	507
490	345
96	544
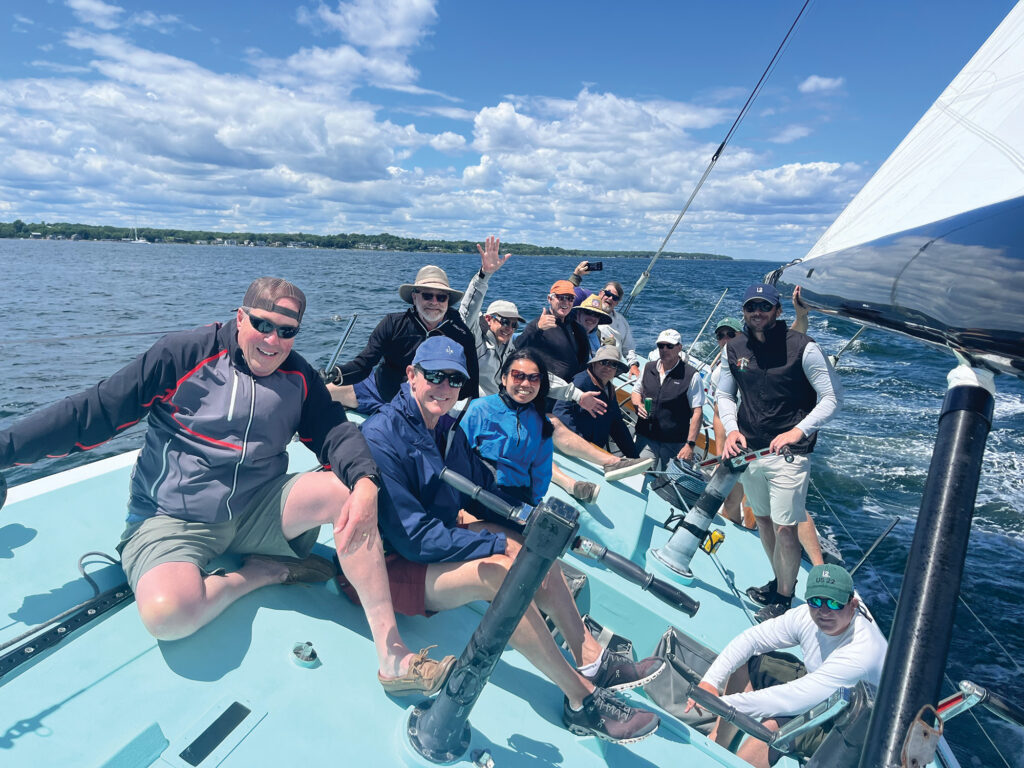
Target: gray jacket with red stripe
216	432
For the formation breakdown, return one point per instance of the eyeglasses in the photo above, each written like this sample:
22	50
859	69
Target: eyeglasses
832	605
563	297
440	298
758	306
611	295
725	335
264	326
455	379
519	377
506	322
665	345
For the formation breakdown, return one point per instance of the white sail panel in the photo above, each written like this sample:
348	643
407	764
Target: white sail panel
966	152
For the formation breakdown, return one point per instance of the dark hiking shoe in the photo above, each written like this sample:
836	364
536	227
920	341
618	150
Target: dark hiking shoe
609	718
765	595
626	468
585	492
773	611
618	672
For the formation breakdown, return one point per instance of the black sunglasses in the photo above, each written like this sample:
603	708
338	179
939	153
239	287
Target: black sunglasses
758	306
564	297
591	313
612	295
519	377
440	298
665	345
455	379
725	334
264	326
505	322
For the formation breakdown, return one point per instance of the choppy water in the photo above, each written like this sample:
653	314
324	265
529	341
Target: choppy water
75	312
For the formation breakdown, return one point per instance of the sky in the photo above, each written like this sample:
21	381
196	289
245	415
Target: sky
571	124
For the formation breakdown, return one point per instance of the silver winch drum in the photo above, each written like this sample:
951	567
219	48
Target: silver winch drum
689	482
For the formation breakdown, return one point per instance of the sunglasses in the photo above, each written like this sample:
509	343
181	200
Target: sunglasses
612	295
264	326
519	377
608	363
455	379
665	345
725	335
440	298
589	313
506	322
563	297
828	602
758	306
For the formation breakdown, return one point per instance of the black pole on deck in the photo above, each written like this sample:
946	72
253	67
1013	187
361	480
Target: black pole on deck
923	626
439	729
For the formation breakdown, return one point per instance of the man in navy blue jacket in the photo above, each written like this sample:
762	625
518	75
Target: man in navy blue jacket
443	557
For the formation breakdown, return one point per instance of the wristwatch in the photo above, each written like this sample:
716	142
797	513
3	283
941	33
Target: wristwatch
692	443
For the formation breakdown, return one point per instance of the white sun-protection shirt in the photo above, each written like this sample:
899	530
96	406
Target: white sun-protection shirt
832	662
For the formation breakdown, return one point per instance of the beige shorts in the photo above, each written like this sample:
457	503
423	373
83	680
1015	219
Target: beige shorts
153	541
778	489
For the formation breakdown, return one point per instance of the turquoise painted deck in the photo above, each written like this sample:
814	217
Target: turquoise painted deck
112	696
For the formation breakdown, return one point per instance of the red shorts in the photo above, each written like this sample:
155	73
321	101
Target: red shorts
408	581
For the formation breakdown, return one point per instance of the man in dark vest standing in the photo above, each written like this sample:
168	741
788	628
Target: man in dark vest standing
676	394
789	390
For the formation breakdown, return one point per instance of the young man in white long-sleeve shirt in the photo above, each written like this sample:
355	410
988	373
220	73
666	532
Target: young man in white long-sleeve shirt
841	645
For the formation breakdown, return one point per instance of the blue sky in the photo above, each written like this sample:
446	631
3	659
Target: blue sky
577	124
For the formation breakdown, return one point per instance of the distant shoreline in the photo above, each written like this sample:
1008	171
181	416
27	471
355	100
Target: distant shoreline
359	242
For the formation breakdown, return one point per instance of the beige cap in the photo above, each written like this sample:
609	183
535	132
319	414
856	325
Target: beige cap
505	309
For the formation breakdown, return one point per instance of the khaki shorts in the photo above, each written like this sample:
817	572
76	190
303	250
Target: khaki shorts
777	489
775	668
153	541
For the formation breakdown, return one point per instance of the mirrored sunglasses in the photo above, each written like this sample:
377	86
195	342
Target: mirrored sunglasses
455	379
506	322
264	326
827	602
565	297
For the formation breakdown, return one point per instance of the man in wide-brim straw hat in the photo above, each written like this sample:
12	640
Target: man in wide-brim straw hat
393	343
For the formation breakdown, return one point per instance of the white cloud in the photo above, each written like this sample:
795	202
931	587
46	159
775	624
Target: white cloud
376	23
790	134
819	84
23	19
96	12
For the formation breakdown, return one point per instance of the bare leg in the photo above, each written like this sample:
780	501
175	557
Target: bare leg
739	681
562	480
766	529
731	508
786	560
808	534
755	751
344	394
571	444
318	498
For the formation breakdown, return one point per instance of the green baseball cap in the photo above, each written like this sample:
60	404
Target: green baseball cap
730	322
829	581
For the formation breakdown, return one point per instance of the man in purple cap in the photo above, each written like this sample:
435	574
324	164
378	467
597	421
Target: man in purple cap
789	390
223	402
443	557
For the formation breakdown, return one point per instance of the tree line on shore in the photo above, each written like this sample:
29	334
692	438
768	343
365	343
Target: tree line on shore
383	241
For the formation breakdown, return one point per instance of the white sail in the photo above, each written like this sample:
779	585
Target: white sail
965	153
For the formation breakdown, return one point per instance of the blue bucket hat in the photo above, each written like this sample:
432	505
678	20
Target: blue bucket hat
763	291
439	353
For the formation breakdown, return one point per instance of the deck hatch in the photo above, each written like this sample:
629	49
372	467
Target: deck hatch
215	733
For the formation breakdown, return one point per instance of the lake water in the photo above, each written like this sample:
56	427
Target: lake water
75	312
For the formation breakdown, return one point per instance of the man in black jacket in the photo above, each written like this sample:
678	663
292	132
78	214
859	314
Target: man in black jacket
394	341
223	402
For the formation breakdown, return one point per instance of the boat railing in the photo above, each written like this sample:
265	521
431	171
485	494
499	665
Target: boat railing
971	695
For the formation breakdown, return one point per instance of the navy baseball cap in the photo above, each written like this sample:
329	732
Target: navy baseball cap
439	353
762	291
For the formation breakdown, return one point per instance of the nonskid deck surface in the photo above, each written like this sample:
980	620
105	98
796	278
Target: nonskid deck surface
112	693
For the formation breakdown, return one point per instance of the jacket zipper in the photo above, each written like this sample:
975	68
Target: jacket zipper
245	444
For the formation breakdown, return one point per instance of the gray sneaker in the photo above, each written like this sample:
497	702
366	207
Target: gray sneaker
585	492
626	468
618	672
609	718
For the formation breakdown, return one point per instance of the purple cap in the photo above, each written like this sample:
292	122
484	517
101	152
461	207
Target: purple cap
762	291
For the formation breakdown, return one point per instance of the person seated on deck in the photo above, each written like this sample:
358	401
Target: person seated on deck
604	366
677	394
610	295
841	645
442	557
394	341
223	402
563	346
493	331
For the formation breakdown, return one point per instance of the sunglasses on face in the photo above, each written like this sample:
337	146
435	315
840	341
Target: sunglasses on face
563	297
506	322
519	377
588	313
440	298
758	306
725	335
827	602
455	379
264	326
611	295
665	345
607	363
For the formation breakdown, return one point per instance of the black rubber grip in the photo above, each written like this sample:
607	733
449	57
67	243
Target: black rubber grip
664	591
477	493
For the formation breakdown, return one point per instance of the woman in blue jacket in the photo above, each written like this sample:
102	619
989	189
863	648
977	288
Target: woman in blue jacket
510	430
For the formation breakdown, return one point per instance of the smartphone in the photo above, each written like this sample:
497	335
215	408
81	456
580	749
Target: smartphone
595	266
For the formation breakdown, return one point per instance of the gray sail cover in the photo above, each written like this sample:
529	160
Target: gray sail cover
933	245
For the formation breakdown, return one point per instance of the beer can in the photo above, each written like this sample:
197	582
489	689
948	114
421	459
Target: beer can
649	405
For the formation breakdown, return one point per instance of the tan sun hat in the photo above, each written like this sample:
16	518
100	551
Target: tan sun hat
609	352
429	278
595	305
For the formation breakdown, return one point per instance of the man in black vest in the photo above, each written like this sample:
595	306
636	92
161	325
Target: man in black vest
669	431
789	391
